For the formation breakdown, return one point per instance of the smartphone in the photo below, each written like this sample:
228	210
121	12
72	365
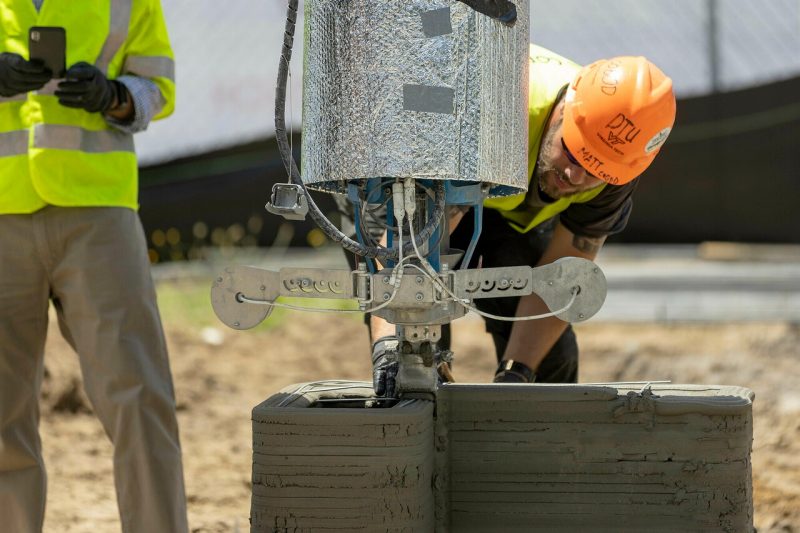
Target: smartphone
49	45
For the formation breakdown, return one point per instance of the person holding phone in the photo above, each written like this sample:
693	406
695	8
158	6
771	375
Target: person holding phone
70	236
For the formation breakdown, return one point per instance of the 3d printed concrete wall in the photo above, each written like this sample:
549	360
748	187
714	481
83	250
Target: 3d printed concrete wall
505	458
341	469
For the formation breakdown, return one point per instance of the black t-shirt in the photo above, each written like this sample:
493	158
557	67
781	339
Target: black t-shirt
605	214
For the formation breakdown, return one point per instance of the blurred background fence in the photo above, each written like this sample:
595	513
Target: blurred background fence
730	170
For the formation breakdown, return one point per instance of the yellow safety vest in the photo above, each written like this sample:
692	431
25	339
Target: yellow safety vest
51	154
548	74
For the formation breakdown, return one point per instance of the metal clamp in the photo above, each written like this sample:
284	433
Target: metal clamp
289	201
362	286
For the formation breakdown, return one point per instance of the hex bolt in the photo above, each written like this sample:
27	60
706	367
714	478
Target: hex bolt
386	279
419	296
305	283
504	283
419	280
386	296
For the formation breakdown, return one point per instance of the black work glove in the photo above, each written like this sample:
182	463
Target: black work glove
85	87
384	366
19	76
509	371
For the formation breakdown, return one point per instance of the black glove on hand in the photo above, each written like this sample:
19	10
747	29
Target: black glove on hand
85	87
19	76
384	366
509	371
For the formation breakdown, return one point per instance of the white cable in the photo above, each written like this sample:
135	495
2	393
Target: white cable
395	280
436	281
404	203
464	303
411	208
244	299
529	317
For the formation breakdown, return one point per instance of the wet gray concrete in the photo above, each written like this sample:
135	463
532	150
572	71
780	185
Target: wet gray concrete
564	458
341	469
560	458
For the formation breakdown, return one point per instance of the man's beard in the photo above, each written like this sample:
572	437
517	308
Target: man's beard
548	176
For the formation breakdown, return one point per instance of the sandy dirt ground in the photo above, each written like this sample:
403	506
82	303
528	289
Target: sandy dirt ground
220	375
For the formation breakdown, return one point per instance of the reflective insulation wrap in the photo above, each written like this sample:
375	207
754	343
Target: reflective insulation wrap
414	88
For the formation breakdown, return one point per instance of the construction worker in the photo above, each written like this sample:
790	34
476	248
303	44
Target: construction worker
70	235
592	132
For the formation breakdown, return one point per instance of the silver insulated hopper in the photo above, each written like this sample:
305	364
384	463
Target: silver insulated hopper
414	88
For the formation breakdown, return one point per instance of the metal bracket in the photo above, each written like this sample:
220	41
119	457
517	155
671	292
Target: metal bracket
418	301
553	283
237	281
289	201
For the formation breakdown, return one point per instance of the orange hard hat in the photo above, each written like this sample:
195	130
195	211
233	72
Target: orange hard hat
617	114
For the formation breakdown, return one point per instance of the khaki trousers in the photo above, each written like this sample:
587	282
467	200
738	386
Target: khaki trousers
92	264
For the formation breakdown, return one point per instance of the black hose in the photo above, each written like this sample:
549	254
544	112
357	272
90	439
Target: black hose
377	252
503	10
283	142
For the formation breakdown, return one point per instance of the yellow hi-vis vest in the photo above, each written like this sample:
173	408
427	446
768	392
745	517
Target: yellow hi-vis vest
51	154
548	74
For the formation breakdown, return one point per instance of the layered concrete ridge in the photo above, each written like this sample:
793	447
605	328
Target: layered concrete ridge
319	466
596	458
505	458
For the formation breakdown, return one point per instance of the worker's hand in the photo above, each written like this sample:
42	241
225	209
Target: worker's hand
19	76
86	87
509	371
384	366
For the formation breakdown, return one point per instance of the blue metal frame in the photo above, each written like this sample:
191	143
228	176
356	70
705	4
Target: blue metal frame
456	193
470	194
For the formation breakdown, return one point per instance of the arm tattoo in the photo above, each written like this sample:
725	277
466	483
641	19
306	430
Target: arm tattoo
587	245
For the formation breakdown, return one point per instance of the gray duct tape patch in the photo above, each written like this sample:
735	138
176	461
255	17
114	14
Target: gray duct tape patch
436	22
428	99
